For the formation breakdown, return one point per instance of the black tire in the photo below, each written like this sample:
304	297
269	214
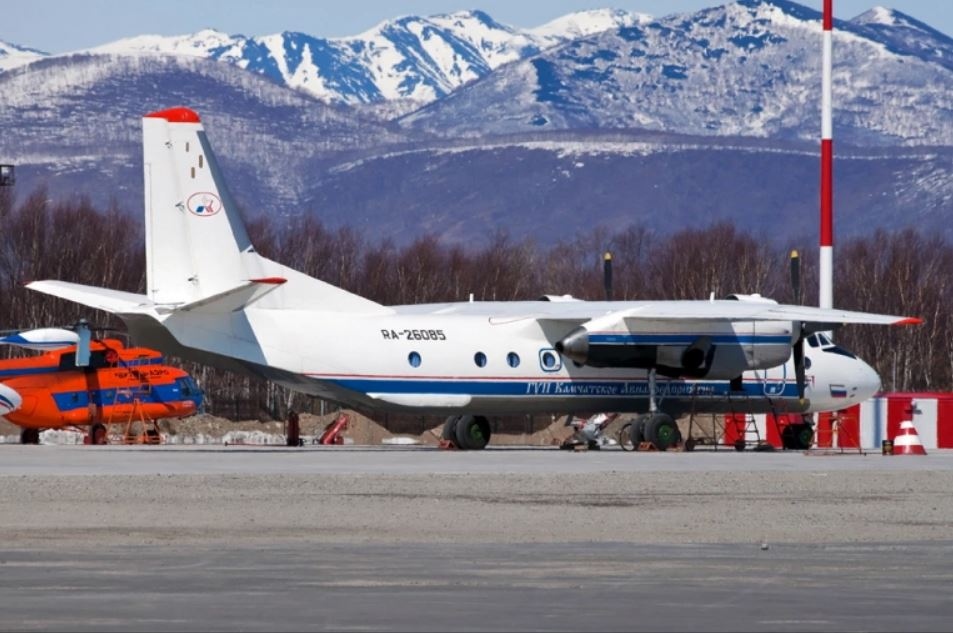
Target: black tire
450	429
797	437
97	435
690	444
637	431
661	430
473	432
30	436
805	436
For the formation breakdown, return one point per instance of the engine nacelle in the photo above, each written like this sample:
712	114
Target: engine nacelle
718	351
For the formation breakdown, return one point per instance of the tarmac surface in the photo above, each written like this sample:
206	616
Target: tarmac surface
399	539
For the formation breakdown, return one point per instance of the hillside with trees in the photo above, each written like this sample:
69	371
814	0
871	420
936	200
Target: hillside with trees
901	272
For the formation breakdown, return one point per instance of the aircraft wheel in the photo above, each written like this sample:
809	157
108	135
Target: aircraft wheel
97	434
30	436
797	436
473	432
450	429
637	431
661	430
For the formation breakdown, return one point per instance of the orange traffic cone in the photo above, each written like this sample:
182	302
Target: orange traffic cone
908	442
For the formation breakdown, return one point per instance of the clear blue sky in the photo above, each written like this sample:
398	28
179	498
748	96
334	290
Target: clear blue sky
58	26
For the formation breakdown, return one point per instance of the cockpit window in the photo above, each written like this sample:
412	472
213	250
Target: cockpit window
824	340
834	349
812	340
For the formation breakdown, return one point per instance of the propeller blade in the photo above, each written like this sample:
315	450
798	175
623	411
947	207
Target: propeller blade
799	366
42	338
796	277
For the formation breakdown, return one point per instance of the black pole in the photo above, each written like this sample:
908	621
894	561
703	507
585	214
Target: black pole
7	176
607	274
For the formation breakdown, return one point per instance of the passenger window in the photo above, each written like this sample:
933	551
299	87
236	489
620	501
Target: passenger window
414	359
513	359
549	360
480	359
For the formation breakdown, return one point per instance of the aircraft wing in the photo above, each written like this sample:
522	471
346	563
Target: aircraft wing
813	319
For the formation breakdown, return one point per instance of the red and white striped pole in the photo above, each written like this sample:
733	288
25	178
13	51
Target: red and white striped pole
826	272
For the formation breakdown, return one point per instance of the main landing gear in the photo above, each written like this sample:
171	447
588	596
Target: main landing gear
657	428
30	436
466	432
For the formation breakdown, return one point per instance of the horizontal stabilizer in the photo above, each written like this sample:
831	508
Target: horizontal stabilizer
234	299
114	301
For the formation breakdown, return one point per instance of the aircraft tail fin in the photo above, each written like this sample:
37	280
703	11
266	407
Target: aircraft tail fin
197	247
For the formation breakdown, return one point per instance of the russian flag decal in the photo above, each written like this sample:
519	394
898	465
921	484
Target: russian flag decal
838	391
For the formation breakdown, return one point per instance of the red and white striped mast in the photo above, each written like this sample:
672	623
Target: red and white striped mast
826	273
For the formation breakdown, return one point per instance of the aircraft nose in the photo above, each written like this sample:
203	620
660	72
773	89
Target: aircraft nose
867	381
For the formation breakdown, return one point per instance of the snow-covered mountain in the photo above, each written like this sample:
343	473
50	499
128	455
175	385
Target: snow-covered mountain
12	56
73	124
409	58
749	68
694	118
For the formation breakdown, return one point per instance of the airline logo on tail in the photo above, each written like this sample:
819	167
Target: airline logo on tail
204	204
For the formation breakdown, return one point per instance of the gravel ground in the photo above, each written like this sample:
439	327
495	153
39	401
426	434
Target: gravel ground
235	509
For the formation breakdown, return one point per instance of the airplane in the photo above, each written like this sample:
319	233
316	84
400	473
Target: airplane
211	298
118	384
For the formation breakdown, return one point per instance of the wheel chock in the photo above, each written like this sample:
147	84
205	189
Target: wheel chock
447	445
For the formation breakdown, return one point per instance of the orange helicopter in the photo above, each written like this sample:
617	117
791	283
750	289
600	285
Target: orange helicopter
82	382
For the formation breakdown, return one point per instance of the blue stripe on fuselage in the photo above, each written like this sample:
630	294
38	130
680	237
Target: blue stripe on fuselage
543	388
71	400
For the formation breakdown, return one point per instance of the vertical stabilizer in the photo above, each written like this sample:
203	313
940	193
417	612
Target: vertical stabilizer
197	247
194	236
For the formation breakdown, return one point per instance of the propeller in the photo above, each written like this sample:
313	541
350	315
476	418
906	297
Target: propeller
798	350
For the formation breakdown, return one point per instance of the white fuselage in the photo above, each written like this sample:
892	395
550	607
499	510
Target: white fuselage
456	358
